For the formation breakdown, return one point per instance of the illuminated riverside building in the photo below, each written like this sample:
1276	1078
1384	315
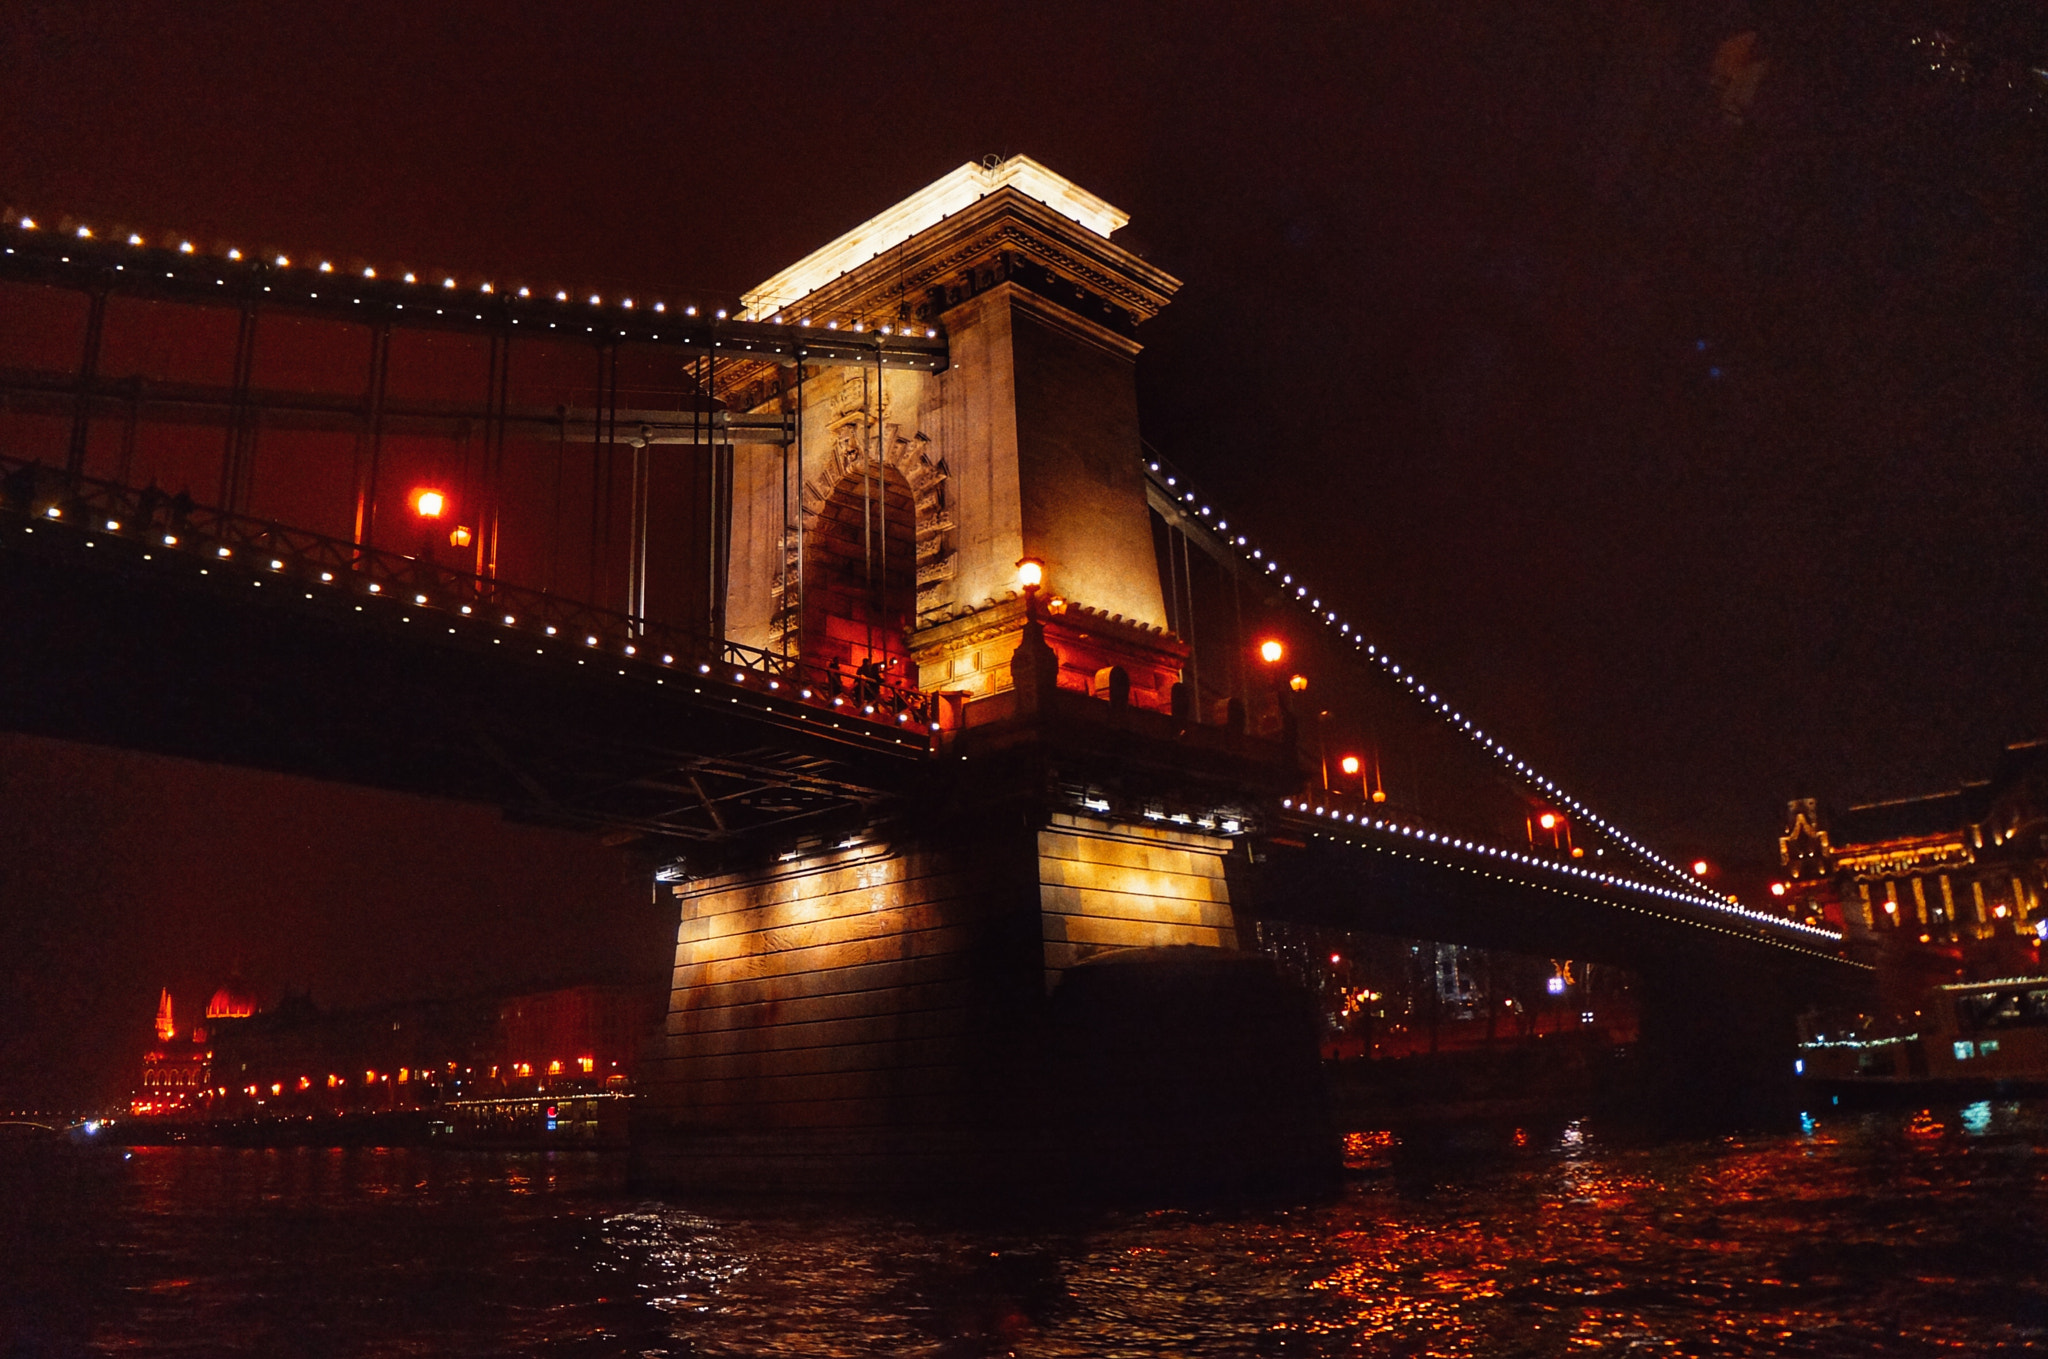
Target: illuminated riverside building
296	1060
177	1071
1960	871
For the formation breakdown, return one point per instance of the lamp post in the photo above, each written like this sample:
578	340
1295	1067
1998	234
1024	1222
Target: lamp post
428	505
1034	666
1030	575
1272	652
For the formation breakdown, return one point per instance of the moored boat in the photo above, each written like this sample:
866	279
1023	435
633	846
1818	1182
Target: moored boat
1968	1038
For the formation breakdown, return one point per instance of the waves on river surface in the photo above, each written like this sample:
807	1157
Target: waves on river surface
1895	1233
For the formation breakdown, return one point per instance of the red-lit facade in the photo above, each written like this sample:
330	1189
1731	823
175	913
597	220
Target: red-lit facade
296	1060
177	1071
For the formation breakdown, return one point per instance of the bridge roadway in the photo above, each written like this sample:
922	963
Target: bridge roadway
1348	867
221	638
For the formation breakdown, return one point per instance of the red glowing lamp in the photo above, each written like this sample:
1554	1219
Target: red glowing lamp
1349	764
1548	821
1271	652
428	503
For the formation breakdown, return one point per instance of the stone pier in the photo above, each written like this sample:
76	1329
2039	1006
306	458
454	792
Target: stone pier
878	1015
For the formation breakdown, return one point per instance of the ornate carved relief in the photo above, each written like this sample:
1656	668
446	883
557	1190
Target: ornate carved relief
849	450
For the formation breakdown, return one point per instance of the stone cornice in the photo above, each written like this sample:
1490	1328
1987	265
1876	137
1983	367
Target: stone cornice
1062	318
974	627
910	217
1077	279
1003	220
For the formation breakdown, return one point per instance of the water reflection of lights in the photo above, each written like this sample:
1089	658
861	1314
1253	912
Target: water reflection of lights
689	1263
1855	1240
1369	1150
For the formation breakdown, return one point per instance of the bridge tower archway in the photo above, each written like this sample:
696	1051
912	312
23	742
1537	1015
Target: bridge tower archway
859	571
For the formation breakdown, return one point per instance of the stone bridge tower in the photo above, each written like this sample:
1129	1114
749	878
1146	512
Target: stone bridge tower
974	989
895	527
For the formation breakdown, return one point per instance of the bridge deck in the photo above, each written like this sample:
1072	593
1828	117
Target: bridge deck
214	636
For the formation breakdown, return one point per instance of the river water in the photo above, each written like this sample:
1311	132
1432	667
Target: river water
1894	1233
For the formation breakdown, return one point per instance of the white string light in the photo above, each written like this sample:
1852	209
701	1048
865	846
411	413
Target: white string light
1393	827
1329	619
282	261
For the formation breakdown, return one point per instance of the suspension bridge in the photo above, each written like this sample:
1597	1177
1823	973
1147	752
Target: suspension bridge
859	608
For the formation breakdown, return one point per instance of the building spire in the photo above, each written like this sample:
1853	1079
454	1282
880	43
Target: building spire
166	1027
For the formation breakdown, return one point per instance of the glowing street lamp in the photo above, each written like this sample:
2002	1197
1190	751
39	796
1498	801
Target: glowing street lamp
1349	764
1030	575
1558	829
428	503
1700	868
1271	652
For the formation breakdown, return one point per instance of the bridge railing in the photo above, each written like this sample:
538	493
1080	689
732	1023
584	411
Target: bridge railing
32	490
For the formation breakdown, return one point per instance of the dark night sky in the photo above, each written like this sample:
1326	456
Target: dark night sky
1671	399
